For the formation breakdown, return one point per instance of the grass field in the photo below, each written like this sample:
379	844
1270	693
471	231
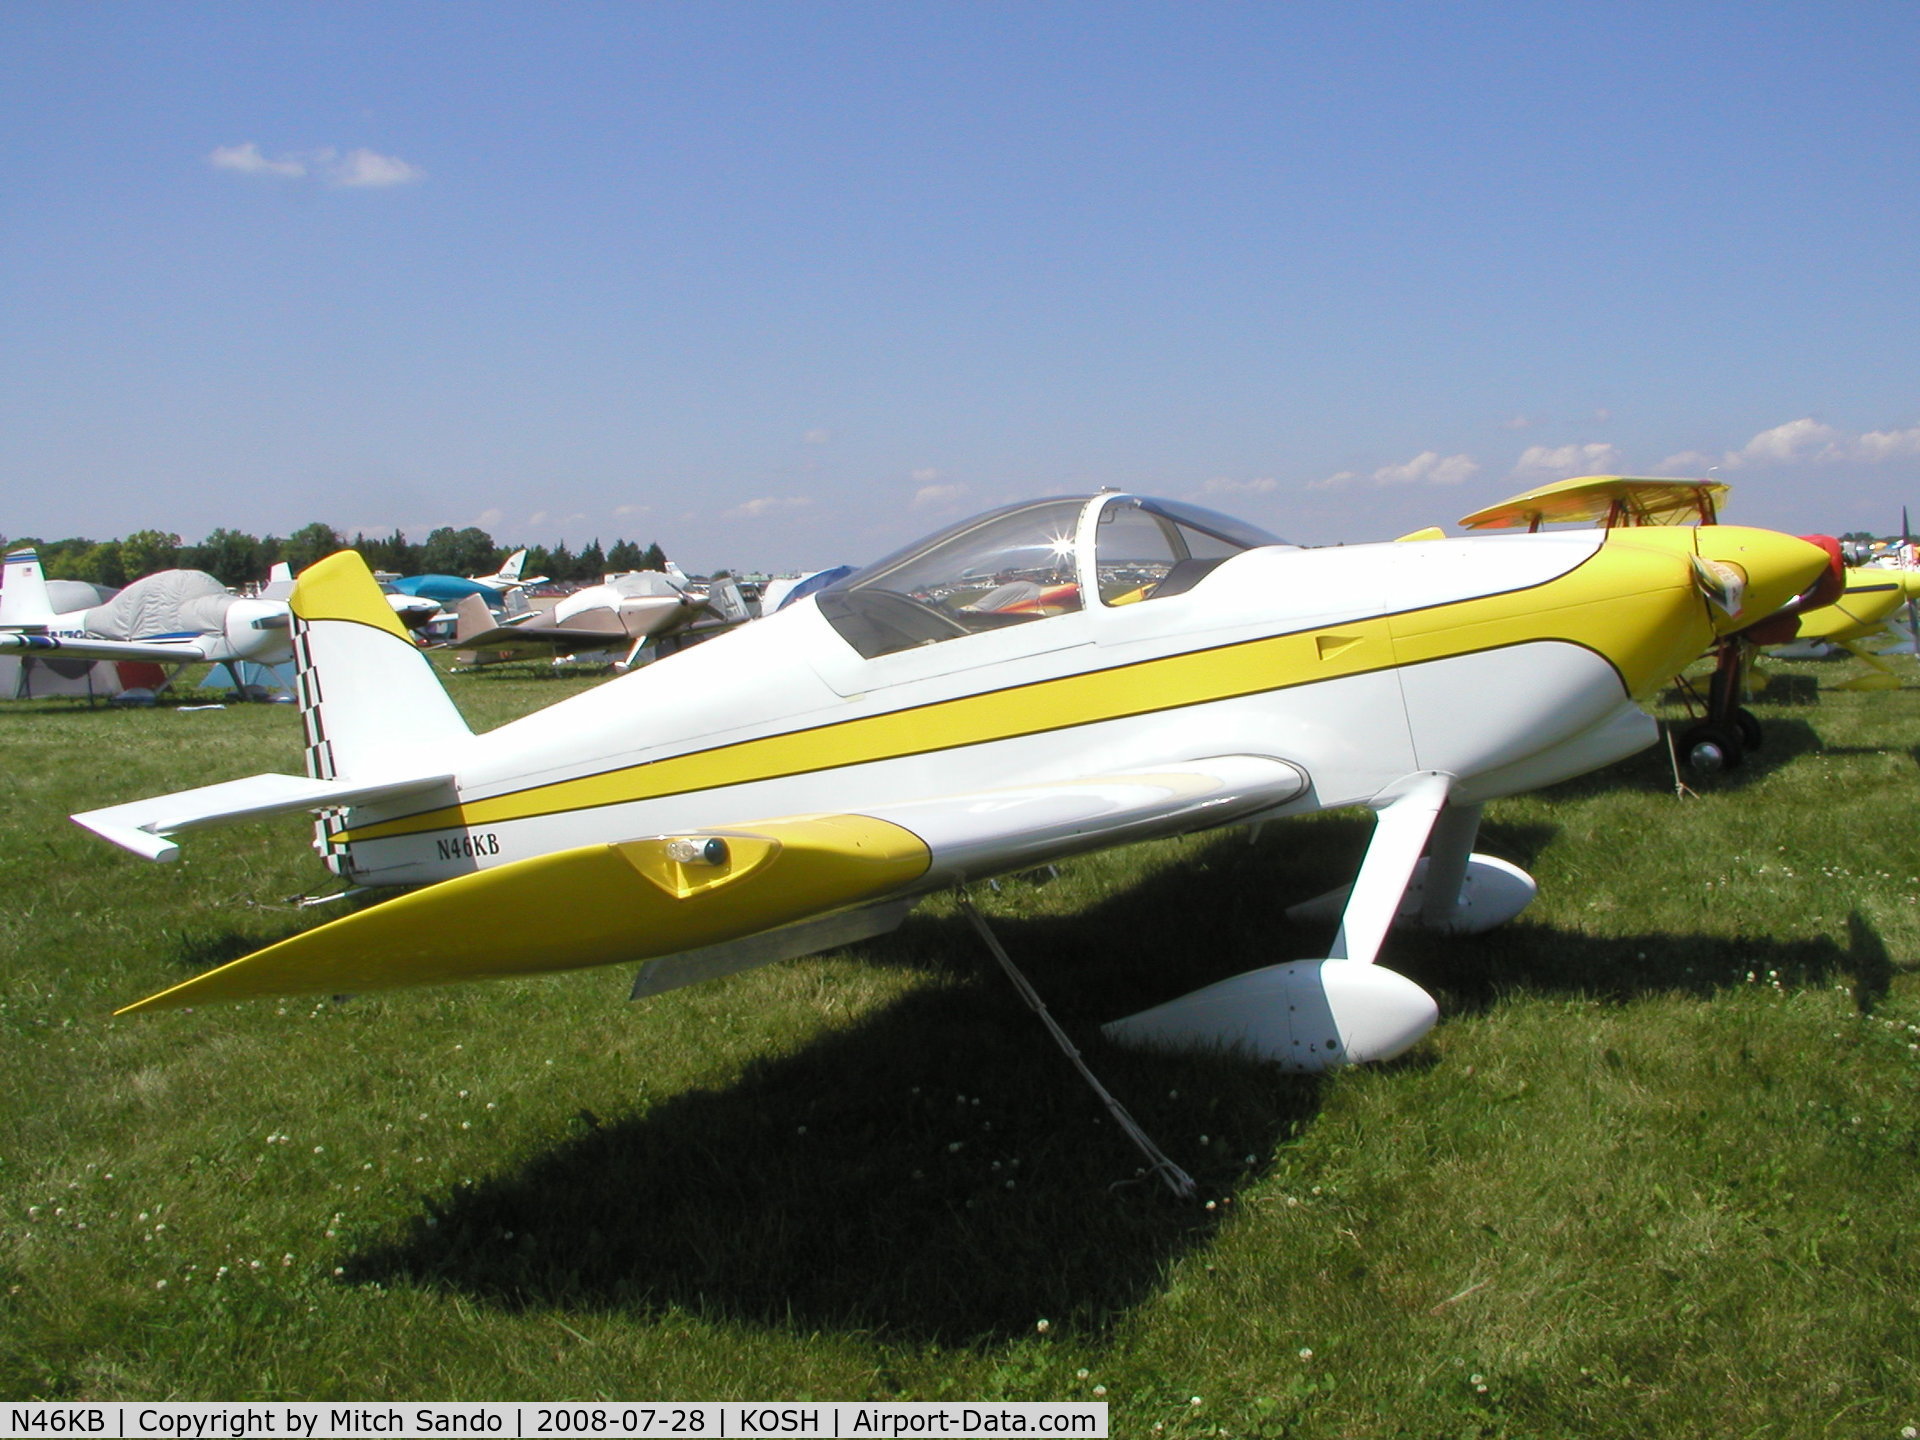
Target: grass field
1657	1172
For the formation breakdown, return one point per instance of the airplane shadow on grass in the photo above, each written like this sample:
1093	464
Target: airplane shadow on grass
1784	740
935	1172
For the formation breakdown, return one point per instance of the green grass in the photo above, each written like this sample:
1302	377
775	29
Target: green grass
1654	1173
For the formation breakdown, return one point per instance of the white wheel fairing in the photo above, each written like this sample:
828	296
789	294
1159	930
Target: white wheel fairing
1494	892
1306	1016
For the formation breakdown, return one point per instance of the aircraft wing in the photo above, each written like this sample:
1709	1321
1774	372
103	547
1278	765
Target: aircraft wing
477	629
143	825
693	894
175	652
597	628
1605	500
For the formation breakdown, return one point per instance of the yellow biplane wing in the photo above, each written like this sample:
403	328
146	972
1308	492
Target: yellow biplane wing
1605	500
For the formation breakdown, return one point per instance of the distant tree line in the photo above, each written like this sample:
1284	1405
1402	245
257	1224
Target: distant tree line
237	559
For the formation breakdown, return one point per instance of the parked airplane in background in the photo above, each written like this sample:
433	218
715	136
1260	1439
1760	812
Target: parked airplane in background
450	590
26	677
803	781
1872	600
630	614
777	594
172	617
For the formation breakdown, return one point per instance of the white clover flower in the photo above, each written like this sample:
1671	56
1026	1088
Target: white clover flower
1305	1353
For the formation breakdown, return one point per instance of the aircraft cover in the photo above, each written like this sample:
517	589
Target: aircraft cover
168	602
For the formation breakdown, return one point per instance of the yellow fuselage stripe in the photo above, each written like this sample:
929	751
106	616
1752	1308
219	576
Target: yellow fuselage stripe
1584	607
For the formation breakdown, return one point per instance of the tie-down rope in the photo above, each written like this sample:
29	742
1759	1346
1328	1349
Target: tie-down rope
1175	1179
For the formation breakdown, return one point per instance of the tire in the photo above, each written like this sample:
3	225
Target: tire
1746	725
1710	749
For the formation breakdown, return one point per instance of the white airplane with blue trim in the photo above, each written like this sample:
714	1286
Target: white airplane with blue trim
1048	679
182	617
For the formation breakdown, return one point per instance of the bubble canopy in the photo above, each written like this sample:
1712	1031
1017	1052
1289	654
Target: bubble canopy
1032	561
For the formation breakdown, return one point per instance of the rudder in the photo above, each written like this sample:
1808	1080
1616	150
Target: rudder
23	591
370	700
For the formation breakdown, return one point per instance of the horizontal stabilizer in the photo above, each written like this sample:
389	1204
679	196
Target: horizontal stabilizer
592	905
141	825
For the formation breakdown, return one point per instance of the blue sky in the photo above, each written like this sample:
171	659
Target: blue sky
784	285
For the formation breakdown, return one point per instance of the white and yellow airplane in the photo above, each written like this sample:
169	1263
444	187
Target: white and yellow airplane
1726	728
803	781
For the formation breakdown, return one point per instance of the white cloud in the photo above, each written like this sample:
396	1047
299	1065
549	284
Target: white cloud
1689	462
247	160
538	517
1429	467
930	496
490	518
1223	485
817	436
1878	445
1590	459
357	169
765	505
1337	481
1517	422
626	510
1805	441
366	169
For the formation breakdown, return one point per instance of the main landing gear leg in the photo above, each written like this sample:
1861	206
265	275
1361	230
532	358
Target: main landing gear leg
1313	1015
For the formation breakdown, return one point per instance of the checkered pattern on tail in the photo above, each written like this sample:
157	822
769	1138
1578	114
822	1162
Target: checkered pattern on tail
306	689
319	753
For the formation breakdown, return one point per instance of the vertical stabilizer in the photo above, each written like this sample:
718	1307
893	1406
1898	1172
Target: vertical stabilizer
725	600
369	697
23	591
